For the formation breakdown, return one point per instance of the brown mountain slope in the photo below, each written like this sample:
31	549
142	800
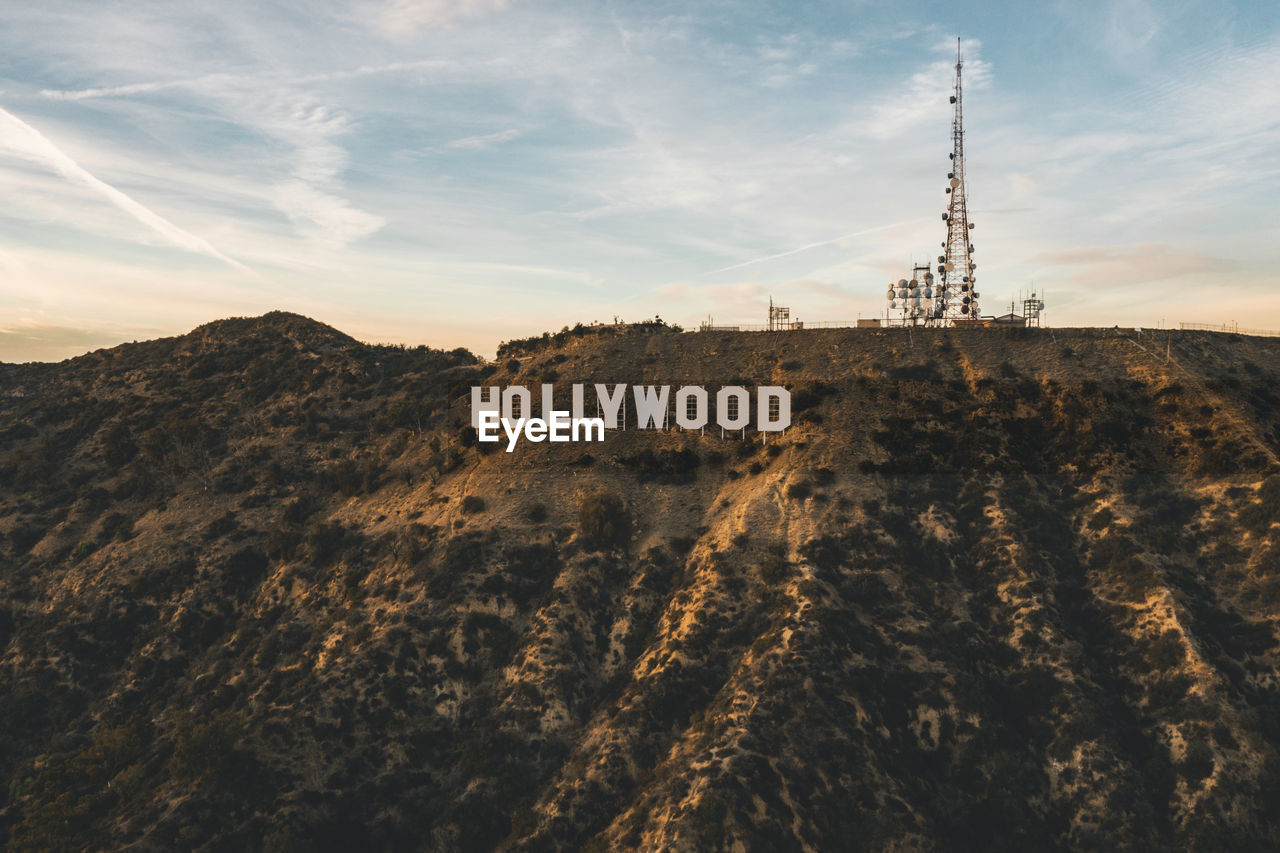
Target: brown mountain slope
991	591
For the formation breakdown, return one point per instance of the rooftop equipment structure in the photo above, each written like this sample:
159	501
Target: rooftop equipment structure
779	317
913	299
1032	309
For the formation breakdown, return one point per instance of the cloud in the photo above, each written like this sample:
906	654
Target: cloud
1129	29
310	197
408	16
327	219
924	93
34	335
1139	263
23	140
486	140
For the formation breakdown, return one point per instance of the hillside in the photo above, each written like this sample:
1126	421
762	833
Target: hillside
995	590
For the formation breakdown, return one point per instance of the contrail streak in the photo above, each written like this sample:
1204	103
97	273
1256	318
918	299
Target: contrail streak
245	79
24	140
131	89
806	248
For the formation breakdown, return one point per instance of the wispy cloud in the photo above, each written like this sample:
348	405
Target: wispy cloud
920	99
310	198
408	16
214	83
1130	26
1126	266
486	140
841	239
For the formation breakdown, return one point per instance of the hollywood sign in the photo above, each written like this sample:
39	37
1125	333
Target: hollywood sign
511	408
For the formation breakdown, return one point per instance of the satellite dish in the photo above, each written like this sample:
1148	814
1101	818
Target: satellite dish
964	309
955	182
952	155
948	189
950	266
953	99
975	294
971	225
966	300
915	283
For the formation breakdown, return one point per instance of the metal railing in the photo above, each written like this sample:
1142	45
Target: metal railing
796	326
1229	327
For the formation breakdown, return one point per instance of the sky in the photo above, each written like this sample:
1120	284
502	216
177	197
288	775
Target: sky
463	172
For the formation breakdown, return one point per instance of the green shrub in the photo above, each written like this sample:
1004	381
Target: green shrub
1167	691
664	466
1101	518
604	521
1198	763
245	568
774	566
205	749
221	526
1166	651
799	491
117	525
1259	516
324	542
118	446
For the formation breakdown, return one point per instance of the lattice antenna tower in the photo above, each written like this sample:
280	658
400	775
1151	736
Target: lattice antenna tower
957	298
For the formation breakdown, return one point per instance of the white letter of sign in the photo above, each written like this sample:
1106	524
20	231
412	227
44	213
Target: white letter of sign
478	405
768	393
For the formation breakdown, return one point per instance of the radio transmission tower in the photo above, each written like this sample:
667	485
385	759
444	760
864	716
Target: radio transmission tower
957	300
